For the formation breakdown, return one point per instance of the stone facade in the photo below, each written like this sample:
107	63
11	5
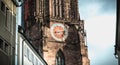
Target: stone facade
83	44
38	20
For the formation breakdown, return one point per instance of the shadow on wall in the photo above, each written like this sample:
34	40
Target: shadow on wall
72	48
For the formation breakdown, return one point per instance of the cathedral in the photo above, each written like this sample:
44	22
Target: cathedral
56	31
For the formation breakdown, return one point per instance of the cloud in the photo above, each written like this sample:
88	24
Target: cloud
108	6
90	8
100	23
101	38
101	28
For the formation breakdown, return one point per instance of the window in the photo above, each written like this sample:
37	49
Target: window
7	17
27	55
6	48
13	57
1	43
2	7
60	58
54	8
32	58
9	21
34	61
39	63
61	8
25	50
58	8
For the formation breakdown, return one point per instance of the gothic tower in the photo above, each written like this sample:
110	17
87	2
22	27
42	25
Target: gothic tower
53	27
62	41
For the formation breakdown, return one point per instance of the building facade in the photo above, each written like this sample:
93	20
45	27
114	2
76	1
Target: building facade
7	31
55	29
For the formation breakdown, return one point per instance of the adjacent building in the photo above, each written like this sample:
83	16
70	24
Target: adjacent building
27	54
56	31
117	44
7	31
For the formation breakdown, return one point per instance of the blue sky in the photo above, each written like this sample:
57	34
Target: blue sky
100	24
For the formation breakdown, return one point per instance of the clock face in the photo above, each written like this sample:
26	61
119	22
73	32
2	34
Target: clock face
58	31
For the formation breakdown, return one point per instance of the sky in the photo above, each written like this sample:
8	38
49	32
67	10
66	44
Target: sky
100	24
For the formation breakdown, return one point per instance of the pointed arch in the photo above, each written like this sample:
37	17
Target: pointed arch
60	59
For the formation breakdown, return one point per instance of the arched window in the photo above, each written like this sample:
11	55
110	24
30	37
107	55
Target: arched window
60	60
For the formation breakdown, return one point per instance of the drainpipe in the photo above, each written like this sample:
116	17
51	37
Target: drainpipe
18	3
17	43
